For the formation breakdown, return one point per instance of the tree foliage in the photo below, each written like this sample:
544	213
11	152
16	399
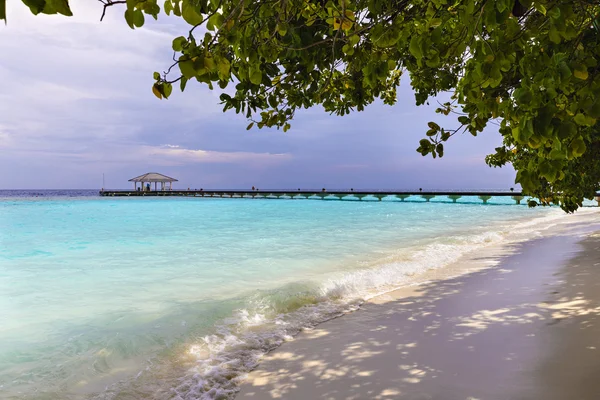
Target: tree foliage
530	67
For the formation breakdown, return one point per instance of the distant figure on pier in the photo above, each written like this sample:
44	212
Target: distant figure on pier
253	188
323	190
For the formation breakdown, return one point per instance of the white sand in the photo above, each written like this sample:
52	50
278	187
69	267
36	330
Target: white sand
527	328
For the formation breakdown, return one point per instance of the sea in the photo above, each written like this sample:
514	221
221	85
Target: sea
177	298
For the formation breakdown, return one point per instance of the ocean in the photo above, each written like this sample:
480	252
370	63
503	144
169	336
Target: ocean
177	298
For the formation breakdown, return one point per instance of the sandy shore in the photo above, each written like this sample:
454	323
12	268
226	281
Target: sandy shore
526	328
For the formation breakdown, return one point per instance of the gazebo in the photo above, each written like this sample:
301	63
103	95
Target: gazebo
152	177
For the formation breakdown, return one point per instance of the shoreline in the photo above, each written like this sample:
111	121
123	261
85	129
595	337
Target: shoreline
212	364
345	358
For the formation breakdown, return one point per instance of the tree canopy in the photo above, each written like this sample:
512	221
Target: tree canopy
530	67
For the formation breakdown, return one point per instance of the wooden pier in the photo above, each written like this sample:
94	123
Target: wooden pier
454	196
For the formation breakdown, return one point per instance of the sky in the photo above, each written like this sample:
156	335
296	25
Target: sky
76	104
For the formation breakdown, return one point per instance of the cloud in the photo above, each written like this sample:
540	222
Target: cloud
76	102
170	155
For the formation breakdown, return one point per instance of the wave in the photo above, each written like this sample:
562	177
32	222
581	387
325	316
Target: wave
218	362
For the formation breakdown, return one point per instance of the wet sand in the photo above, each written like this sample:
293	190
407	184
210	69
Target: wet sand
526	328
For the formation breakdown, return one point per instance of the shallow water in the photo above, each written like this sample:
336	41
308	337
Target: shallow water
176	297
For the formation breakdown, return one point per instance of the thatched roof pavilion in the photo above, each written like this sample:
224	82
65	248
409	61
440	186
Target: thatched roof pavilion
150	177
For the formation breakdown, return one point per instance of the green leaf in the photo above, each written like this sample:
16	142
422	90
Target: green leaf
250	125
182	83
256	76
415	47
435	22
156	91
60	7
36	6
156	76
138	18
578	147
440	149
168	7
3	10
594	110
581	72
223	68
190	14
554	12
554	35
580	119
187	69
216	21
129	18
540	7
178	43
433	126
501	5
167	89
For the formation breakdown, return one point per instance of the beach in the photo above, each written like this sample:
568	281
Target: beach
508	322
351	298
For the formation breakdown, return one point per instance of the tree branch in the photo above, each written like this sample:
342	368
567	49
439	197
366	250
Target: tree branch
108	3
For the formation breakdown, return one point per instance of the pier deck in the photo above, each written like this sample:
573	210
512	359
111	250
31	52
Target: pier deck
453	196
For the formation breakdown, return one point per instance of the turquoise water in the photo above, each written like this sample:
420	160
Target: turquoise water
176	298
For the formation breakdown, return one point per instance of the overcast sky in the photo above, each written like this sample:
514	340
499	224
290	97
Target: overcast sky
76	102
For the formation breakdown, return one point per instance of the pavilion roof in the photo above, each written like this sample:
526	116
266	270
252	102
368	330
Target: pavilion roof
153	177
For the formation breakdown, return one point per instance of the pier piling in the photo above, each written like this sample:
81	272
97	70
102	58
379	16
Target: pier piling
517	199
484	198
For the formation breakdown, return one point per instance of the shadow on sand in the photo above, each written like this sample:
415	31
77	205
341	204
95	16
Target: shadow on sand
525	329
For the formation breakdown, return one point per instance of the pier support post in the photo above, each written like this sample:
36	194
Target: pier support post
485	199
454	197
380	196
403	197
517	199
428	197
360	196
340	196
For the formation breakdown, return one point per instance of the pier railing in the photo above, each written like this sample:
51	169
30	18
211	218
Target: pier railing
360	195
